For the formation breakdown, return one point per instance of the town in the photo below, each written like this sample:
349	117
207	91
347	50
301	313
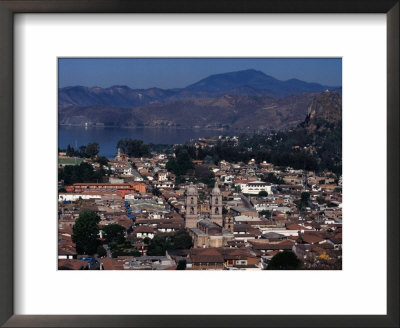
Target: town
168	211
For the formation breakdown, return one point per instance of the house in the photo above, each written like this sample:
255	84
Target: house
243	211
243	258
144	231
206	259
245	232
311	238
265	246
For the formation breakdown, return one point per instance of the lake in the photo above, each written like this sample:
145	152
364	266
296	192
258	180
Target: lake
107	137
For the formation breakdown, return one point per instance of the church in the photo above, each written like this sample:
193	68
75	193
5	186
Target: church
213	230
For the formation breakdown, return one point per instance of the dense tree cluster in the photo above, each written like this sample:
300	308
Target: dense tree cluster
83	172
286	260
181	163
89	151
114	233
133	147
160	148
162	242
87	238
205	175
299	148
272	178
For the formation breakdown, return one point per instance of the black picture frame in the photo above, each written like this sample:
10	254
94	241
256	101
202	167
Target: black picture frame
10	7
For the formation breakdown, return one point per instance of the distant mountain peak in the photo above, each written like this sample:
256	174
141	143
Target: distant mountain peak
249	82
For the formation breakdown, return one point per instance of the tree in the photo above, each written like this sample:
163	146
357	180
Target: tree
114	233
272	178
305	196
102	160
181	164
133	147
181	265
156	192
92	149
263	193
181	240
162	242
70	151
82	151
85	233
266	213
205	175
303	201
159	244
101	251
83	172
286	260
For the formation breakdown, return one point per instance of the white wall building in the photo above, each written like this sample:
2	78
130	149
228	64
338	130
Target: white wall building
75	197
254	187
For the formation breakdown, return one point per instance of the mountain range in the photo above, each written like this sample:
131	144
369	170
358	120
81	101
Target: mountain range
243	100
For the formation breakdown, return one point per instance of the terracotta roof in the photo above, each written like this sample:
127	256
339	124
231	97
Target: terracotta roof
144	229
112	264
203	255
294	226
71	265
311	238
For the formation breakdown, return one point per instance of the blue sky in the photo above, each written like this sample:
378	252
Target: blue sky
166	73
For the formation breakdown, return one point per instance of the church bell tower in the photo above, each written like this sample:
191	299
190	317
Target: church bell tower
191	216
216	205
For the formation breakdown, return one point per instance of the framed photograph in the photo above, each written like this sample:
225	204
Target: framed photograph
192	164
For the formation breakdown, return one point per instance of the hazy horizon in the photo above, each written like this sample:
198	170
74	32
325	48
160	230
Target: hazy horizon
170	73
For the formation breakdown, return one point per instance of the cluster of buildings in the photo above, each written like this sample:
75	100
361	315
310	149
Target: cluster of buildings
240	223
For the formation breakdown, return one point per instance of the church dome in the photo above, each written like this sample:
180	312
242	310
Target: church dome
216	190
191	190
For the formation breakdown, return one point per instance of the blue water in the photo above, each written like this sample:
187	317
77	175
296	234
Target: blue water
108	137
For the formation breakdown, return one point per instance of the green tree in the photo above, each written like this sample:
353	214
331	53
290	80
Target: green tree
266	213
82	151
156	192
181	240
133	147
179	179
85	233
181	164
92	149
272	178
70	151
263	193
305	196
286	260
83	172
162	242
101	251
181	265
114	233
102	160
303	201
159	244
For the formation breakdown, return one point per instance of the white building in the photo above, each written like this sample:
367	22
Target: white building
75	197
254	187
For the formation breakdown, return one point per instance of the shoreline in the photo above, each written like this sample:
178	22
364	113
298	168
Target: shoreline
163	127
